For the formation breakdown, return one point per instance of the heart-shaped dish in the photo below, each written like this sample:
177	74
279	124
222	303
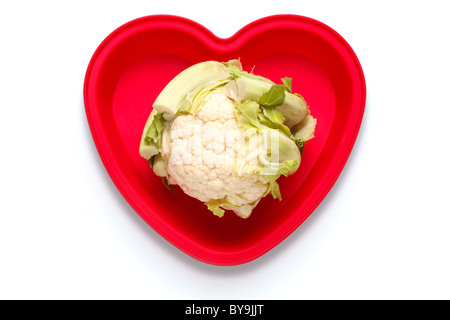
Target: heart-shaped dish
134	63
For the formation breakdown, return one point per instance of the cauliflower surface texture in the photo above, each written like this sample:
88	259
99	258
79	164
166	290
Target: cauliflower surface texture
202	151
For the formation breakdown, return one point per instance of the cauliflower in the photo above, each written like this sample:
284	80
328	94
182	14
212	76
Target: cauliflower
220	138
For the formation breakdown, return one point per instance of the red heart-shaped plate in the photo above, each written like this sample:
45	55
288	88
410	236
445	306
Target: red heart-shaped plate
134	63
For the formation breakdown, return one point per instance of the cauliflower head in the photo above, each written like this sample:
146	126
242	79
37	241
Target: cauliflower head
202	152
221	138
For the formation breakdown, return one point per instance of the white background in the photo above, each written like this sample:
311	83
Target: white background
383	232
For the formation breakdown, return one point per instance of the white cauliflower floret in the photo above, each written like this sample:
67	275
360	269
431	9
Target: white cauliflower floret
203	152
217	107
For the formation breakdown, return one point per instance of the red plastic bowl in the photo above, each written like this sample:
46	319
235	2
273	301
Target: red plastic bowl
133	64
